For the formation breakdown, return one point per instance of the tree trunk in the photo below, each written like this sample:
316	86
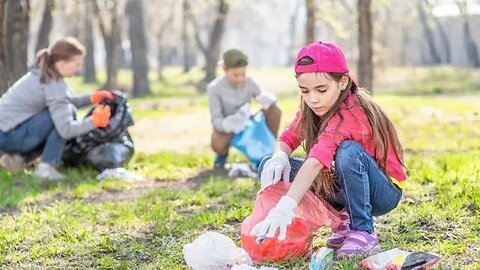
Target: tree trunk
365	40
187	63
161	48
112	45
112	41
441	31
16	37
292	31
445	40
212	52
46	26
215	40
472	51
4	78
89	71
405	41
310	25
138	46
160	52
429	34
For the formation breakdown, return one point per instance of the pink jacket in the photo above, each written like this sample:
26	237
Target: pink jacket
355	126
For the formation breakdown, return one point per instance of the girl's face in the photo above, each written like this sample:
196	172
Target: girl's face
70	67
320	91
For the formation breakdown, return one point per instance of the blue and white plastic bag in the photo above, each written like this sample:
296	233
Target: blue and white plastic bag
255	141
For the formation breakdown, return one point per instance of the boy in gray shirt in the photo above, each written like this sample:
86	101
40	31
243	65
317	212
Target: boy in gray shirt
229	98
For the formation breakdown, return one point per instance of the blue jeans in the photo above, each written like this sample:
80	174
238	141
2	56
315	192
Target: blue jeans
34	137
365	189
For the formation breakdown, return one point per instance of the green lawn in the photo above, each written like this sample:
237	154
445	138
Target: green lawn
83	224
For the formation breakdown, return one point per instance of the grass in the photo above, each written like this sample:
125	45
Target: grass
428	81
83	224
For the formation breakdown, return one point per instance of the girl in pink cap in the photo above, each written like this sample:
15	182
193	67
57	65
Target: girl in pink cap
354	158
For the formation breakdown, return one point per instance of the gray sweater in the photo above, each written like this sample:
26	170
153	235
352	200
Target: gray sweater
225	100
28	96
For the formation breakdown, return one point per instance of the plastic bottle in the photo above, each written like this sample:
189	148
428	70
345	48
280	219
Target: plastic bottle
322	259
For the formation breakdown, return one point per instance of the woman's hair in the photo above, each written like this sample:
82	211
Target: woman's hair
384	133
63	49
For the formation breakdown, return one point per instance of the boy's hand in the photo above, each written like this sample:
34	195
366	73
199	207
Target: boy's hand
236	122
266	99
244	111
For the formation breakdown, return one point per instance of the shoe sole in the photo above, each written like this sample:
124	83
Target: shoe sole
374	250
336	245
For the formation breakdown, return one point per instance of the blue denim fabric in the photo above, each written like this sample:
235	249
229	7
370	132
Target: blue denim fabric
34	137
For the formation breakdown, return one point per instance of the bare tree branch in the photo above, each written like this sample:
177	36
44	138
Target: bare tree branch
345	5
441	30
4	76
196	30
101	23
199	41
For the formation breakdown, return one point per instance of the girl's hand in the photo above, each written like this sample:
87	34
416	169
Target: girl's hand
279	217
275	169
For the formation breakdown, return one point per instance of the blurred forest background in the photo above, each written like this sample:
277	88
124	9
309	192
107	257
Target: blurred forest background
147	35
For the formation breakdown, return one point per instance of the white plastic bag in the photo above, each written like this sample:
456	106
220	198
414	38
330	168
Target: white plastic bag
243	267
399	259
119	174
241	170
214	251
380	260
248	267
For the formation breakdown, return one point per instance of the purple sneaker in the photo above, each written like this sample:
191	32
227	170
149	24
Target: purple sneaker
359	243
339	234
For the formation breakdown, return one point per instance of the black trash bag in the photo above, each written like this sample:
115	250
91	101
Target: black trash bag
104	148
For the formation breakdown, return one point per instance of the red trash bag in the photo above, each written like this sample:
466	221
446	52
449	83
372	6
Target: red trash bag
311	214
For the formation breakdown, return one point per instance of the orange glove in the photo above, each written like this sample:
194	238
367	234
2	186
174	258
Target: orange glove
101	116
97	96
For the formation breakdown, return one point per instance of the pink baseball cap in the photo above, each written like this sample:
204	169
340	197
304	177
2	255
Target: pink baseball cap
327	57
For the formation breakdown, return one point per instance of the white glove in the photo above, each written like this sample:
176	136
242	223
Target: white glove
245	110
237	121
275	169
266	99
279	217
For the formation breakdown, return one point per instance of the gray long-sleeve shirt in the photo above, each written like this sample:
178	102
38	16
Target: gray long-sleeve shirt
225	100
28	96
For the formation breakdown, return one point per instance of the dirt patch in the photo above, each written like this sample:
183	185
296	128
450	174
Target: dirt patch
189	184
180	133
112	195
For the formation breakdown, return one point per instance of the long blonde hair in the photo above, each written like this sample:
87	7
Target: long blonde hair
63	49
384	133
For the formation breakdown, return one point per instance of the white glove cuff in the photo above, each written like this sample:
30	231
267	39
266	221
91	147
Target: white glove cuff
281	155
266	99
286	202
